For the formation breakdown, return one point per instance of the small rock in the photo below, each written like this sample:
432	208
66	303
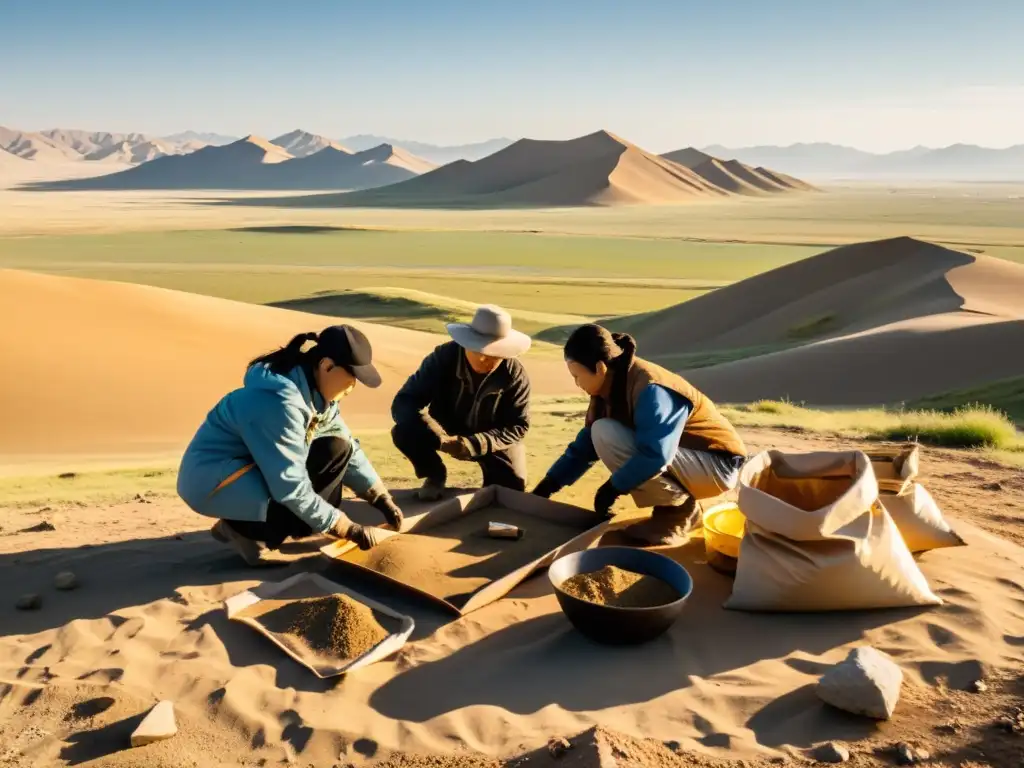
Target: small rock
867	683
67	476
140	499
978	686
40	527
558	747
909	755
158	725
29	602
65	580
675	746
992	486
831	752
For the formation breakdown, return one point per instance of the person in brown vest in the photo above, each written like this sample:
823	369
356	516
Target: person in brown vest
663	440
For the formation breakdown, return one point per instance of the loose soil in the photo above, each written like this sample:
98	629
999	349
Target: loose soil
331	626
454	560
620	588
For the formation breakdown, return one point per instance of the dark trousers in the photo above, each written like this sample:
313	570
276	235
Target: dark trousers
422	447
328	459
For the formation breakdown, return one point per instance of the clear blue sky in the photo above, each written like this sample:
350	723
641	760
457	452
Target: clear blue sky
871	73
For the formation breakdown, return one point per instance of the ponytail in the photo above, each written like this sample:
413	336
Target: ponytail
287	357
591	344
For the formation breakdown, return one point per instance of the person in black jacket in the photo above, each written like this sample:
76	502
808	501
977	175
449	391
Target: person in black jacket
470	399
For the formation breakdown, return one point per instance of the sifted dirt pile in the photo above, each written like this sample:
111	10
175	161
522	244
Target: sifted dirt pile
334	626
619	588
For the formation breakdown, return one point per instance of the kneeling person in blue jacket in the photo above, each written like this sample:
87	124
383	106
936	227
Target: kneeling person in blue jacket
664	441
271	458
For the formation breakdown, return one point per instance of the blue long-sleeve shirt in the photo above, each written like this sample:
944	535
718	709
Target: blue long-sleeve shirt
659	417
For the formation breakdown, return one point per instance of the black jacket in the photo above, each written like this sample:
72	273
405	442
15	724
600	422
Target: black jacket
494	418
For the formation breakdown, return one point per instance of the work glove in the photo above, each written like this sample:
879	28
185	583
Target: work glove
605	498
363	536
458	448
391	511
546	488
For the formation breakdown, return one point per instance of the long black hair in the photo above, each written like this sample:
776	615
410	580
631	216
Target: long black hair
291	354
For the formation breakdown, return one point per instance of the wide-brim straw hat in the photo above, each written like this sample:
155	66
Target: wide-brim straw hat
490	334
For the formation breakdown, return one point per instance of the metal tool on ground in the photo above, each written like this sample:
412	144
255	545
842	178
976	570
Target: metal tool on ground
505	531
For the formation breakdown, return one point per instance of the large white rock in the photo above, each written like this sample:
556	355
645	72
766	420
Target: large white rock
158	725
867	683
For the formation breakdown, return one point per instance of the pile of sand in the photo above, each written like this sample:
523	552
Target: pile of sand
620	588
332	626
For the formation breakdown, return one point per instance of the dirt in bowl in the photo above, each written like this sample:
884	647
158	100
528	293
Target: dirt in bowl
620	588
332	626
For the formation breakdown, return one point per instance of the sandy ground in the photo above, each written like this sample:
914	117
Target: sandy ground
140	366
148	623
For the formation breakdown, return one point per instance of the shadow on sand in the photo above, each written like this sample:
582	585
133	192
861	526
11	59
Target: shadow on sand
543	661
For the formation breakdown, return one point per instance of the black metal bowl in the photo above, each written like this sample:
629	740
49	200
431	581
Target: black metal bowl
620	626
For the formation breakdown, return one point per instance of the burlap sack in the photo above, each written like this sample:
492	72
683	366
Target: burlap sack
912	508
919	519
818	540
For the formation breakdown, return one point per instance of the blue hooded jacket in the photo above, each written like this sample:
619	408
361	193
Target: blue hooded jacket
267	426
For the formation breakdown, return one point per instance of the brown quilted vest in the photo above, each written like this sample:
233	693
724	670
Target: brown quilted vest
706	429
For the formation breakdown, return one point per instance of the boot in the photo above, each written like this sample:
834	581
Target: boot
432	489
667	526
249	550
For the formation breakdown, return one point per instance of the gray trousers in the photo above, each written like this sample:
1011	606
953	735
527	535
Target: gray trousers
692	473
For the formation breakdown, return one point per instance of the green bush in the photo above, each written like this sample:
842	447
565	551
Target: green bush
967	427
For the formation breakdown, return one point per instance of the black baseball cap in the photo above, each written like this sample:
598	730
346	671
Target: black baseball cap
349	348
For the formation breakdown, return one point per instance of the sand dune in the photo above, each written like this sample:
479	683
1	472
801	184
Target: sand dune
299	143
690	157
133	369
870	323
899	362
734	176
845	290
597	169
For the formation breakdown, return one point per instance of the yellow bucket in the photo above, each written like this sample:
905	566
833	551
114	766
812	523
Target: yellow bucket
723	529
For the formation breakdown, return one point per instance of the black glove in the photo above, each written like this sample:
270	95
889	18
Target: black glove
458	448
391	511
605	498
546	488
364	536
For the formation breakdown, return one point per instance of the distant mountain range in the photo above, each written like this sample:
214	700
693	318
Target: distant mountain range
958	162
433	152
820	161
598	169
256	163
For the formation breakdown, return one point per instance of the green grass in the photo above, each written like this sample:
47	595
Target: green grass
555	424
1006	396
978	427
417	310
480	252
813	328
